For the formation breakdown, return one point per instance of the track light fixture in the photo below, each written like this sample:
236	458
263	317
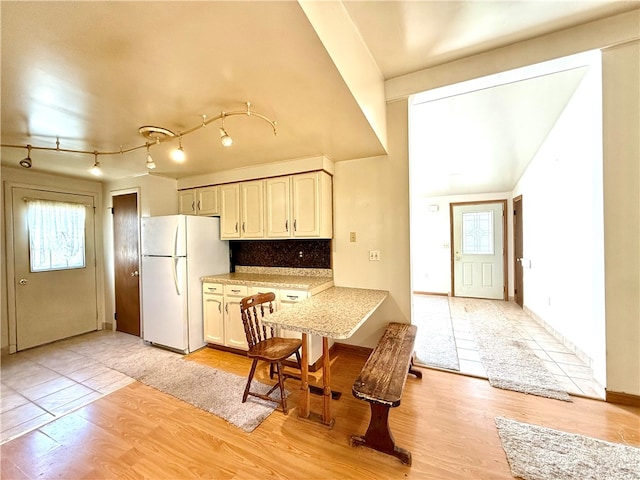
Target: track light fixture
26	161
96	170
155	135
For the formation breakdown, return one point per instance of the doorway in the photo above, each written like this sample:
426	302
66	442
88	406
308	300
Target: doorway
54	260
478	253
126	237
518	255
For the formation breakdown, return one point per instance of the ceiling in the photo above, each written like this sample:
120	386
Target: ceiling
89	74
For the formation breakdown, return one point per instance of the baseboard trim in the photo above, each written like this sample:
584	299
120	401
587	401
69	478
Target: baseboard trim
355	349
622	398
440	294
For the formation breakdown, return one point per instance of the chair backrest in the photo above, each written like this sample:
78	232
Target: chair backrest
252	310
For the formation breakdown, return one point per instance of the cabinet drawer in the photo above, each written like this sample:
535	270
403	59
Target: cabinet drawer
236	290
212	288
256	290
293	295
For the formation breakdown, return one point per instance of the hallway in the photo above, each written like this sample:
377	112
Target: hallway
571	372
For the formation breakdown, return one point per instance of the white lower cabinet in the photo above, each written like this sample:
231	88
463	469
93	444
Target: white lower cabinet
234	335
223	322
213	312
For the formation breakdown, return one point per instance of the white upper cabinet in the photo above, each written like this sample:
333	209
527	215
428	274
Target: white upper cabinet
311	205
242	210
207	201
230	211
292	206
199	201
278	207
252	201
299	206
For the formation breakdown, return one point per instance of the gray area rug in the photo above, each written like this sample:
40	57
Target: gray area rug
207	388
539	453
435	343
510	364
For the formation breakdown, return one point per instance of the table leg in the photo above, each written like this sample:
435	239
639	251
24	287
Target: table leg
326	382
303	403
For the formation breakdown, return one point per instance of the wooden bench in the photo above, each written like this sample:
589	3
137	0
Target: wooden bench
381	383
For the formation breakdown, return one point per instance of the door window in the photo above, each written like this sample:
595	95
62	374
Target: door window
477	233
56	235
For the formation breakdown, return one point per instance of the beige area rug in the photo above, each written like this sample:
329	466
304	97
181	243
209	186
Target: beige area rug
539	453
435	342
509	362
207	388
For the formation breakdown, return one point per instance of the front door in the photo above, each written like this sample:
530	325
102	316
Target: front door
54	266
126	263
518	281
478	253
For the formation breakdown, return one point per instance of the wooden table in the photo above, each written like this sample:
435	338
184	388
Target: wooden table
334	313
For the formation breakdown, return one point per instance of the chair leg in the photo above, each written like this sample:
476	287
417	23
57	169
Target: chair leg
246	389
298	360
271	370
283	397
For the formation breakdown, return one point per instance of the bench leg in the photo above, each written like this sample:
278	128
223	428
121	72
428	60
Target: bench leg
413	371
379	436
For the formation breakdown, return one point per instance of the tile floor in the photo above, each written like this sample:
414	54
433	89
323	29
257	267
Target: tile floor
41	384
569	370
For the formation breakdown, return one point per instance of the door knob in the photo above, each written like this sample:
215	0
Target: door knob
22	281
135	274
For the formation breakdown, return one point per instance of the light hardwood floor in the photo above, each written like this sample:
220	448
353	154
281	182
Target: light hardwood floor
446	420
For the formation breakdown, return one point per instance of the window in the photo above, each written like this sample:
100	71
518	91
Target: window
56	235
477	233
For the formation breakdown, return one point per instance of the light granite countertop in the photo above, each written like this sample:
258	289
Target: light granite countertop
312	280
334	313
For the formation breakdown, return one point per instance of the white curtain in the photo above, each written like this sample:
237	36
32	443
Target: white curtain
56	235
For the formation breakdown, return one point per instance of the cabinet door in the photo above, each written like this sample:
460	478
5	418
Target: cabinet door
207	201
252	204
306	205
187	202
213	318
234	328
289	298
278	207
230	211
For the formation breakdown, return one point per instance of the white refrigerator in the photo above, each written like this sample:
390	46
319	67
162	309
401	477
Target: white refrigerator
177	250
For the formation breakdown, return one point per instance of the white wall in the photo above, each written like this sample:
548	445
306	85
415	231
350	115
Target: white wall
30	178
156	196
563	234
621	92
371	198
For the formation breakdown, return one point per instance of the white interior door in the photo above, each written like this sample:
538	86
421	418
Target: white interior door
478	250
55	268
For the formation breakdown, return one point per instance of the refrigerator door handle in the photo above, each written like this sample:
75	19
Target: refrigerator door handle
175	274
175	241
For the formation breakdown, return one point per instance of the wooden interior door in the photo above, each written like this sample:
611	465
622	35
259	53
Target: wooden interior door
126	233
518	283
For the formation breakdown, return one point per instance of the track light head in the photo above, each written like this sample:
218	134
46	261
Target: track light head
26	161
225	139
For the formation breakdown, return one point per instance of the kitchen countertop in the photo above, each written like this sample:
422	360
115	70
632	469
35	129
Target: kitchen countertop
313	284
334	313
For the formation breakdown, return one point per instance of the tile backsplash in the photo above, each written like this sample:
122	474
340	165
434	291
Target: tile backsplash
281	253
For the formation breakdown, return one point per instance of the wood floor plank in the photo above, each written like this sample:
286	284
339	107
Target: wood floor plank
445	420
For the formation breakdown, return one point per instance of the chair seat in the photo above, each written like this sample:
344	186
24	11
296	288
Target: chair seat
274	349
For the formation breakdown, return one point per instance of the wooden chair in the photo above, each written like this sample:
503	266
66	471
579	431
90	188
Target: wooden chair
264	345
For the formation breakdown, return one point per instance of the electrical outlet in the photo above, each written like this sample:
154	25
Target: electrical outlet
352	237
374	255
